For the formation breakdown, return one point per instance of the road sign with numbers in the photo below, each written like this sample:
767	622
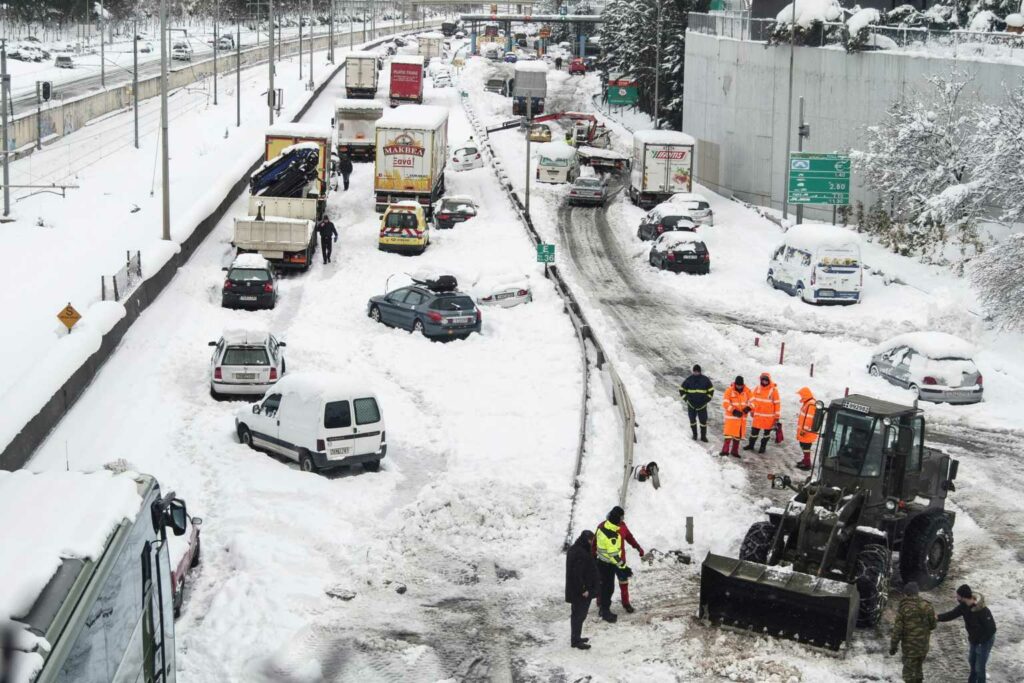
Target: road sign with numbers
819	178
545	253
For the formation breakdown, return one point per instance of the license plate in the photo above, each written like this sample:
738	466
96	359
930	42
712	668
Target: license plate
689	257
826	292
247	298
505	295
344	450
245	375
459	321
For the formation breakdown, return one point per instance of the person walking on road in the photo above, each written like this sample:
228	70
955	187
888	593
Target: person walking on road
345	167
582	584
697	392
611	562
328	235
767	410
736	404
981	629
915	621
558	63
804	424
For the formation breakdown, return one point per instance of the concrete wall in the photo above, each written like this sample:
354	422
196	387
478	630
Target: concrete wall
735	99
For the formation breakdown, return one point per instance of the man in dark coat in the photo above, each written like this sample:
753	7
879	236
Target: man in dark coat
581	585
915	621
345	168
328	235
697	392
981	629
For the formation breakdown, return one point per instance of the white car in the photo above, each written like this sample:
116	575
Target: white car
505	290
695	206
936	366
245	363
442	79
182	52
467	157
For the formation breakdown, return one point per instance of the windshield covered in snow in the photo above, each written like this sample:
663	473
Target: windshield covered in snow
557	162
248	275
854	447
588	182
245	355
838	260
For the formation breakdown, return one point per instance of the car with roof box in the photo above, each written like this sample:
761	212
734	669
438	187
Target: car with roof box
245	363
249	283
680	252
434	308
936	366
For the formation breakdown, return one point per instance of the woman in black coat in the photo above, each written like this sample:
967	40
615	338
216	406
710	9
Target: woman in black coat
581	585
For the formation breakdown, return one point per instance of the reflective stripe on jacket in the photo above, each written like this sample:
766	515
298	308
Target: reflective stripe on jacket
766	404
734	399
805	419
608	543
697	391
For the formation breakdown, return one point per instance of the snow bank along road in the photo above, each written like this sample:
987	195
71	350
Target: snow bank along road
467	513
664	323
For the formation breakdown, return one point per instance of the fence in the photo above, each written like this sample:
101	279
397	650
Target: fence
119	285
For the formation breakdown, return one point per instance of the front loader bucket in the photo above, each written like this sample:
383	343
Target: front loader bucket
777	601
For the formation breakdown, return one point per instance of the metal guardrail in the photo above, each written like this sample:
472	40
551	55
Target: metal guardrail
584	334
119	285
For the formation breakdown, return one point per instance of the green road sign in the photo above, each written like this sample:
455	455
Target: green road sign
819	178
622	92
563	10
545	253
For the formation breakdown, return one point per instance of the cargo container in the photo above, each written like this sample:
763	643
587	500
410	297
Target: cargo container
354	122
531	81
431	46
361	75
406	80
662	166
411	149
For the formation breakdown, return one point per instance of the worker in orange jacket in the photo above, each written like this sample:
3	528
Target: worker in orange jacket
767	410
737	405
804	422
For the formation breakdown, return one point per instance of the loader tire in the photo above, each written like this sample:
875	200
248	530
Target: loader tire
926	551
758	542
874	564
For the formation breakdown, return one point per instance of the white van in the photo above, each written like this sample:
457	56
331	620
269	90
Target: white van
819	264
557	162
320	421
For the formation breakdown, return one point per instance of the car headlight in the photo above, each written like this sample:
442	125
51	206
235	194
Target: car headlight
890	505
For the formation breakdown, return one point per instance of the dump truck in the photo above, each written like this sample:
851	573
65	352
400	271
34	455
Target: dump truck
411	148
361	75
288	243
406	80
354	122
662	166
431	46
282	136
822	564
531	81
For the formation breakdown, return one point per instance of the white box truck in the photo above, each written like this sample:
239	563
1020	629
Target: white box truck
354	122
281	229
411	148
431	46
531	81
361	75
662	166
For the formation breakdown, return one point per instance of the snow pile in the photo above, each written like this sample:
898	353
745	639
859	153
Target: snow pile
931	344
812	236
983	21
809	12
1015	20
862	19
250	261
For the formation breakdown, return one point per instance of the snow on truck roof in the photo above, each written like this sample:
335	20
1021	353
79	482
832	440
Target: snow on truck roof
362	55
935	345
532	65
663	137
321	386
417	116
345	103
299	130
555	150
817	236
433	35
407	59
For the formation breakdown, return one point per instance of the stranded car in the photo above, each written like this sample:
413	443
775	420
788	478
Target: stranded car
505	290
691	205
185	554
588	190
452	210
246	363
819	264
249	283
433	308
64	62
681	252
467	157
653	226
936	366
539	132
404	229
577	66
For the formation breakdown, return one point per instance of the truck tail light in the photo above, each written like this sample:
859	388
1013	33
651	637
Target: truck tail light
320	445
218	374
273	374
434	316
268	287
929	380
479	315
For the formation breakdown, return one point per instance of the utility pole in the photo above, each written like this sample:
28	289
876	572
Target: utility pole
165	165
270	61
330	29
5	85
135	77
300	44
238	73
216	18
351	29
529	117
789	117
802	132
103	60
311	43
657	68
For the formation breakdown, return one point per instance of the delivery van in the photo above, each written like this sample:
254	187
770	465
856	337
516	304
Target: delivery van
819	264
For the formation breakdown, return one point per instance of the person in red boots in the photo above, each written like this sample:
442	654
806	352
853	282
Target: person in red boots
804	423
737	404
611	562
767	410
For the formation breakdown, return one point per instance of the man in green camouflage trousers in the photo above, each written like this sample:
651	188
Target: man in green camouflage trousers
915	621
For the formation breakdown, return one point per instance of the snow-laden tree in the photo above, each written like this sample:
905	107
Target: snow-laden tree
999	140
921	160
999	281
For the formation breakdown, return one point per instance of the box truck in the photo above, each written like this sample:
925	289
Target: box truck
354	122
282	136
361	75
531	81
431	45
662	166
406	80
411	149
281	229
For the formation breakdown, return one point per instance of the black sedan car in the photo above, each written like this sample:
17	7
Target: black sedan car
249	283
681	252
452	210
651	227
433	308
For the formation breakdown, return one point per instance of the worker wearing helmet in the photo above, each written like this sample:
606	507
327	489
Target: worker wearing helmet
767	410
804	424
736	404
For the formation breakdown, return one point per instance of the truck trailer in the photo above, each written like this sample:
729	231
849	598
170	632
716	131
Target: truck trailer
281	136
531	81
354	122
662	166
361	75
431	46
411	148
406	80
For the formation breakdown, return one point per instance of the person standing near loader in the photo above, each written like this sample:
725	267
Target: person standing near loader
736	404
915	621
582	584
611	562
804	422
981	629
697	392
767	410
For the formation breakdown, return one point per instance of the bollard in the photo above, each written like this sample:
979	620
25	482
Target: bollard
812	369
689	530
782	353
847	392
757	341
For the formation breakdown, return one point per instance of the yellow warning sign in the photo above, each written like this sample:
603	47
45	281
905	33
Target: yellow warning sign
69	316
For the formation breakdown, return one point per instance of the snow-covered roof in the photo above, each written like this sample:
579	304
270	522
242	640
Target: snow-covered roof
242	336
309	144
416	116
460	198
671	240
817	236
810	11
1015	20
51	516
362	55
275	219
345	103
931	344
663	137
250	261
405	204
555	150
407	59
299	130
320	385
684	197
601	153
529	65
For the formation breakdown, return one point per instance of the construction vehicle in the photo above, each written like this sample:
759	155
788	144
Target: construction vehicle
823	563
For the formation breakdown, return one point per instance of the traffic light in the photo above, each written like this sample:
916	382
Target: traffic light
45	91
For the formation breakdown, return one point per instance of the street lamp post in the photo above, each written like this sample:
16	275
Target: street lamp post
103	60
312	26
657	69
135	77
165	160
270	61
789	116
216	18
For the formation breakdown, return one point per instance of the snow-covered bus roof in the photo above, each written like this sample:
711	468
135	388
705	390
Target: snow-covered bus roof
362	55
532	65
407	59
932	344
311	386
417	116
555	150
811	236
299	130
663	137
350	104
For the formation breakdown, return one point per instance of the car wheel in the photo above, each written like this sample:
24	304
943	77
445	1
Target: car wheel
284	367
800	291
917	390
873	370
197	558
417	327
375	314
771	281
245	436
651	259
306	463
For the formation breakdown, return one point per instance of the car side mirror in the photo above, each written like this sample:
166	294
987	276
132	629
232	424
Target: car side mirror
177	517
213	343
282	344
197	521
819	417
256	409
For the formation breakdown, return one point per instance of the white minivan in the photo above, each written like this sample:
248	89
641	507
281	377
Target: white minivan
320	421
819	264
557	162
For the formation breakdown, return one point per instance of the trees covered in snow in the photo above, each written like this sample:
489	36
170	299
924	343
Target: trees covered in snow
999	282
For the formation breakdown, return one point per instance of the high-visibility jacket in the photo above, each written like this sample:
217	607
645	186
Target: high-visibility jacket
805	418
608	552
766	404
736	399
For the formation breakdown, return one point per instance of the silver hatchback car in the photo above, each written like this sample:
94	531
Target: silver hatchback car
936	372
585	190
245	363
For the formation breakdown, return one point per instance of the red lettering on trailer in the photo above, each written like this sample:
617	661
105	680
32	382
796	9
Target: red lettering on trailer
669	154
